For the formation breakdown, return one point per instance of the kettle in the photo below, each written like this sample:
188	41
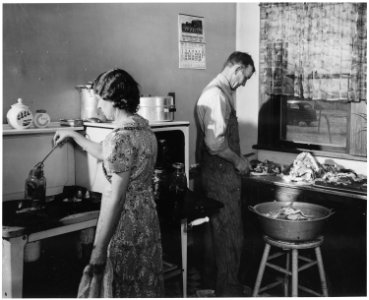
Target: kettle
89	103
19	116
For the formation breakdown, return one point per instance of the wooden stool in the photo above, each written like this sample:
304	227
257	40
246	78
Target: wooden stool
291	247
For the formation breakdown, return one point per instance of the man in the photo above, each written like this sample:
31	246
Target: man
222	166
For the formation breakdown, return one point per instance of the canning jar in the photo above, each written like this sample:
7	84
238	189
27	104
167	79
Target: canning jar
35	188
177	188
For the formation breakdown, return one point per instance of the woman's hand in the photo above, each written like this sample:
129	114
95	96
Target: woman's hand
91	282
98	257
61	136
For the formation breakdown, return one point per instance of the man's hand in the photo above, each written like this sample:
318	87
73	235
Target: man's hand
242	166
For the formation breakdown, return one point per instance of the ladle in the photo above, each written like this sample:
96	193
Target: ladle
47	155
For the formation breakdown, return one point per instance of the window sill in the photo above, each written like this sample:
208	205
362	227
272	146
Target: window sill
314	152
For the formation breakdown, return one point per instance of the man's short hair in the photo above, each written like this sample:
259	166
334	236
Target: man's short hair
242	58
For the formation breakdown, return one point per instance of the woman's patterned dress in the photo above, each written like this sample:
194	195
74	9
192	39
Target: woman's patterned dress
135	251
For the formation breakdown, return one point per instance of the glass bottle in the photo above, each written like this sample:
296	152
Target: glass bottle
162	161
177	189
35	188
159	182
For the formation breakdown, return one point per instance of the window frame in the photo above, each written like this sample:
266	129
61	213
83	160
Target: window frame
270	126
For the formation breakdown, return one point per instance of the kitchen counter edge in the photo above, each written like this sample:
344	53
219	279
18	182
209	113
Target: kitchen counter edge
54	126
277	181
152	125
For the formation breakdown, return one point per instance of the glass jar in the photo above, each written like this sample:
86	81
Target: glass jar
177	188
159	184
41	118
35	188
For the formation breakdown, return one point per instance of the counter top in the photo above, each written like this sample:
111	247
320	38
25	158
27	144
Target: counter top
153	125
339	191
54	214
8	130
58	213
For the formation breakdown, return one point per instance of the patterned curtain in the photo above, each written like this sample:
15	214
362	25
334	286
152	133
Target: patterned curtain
313	50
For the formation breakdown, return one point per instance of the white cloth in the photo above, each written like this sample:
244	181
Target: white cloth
96	286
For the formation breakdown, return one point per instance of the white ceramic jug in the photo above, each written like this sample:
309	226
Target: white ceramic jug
19	115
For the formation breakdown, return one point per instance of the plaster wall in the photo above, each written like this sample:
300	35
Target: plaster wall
48	49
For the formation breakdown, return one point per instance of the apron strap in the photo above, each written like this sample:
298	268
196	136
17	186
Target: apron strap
224	92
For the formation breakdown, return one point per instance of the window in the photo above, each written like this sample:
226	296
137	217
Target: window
313	77
315	122
292	125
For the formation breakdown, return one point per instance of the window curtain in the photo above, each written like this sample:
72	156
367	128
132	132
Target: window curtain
313	50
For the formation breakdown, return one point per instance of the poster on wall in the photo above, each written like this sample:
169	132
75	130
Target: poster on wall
191	29
191	42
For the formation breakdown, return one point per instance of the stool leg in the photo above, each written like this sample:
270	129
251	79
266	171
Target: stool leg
295	272
285	282
261	270
323	280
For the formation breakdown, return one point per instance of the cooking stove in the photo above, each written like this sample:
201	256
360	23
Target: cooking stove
24	213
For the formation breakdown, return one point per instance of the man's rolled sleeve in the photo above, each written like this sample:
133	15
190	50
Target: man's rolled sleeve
215	124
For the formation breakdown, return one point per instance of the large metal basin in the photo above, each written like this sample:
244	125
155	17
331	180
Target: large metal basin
292	230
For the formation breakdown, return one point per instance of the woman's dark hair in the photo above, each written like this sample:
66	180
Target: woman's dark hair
119	87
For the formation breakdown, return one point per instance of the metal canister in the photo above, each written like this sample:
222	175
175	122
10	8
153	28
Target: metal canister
157	109
88	102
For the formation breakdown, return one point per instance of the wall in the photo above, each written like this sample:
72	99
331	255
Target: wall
48	49
20	155
247	37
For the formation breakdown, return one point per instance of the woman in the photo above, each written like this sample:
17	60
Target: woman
127	235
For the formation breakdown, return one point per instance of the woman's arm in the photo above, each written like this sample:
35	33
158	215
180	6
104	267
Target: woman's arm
110	211
91	147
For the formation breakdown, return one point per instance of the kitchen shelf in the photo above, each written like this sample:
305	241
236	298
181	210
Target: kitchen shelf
54	126
152	124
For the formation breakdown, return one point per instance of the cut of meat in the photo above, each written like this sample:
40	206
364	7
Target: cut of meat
304	167
342	178
264	168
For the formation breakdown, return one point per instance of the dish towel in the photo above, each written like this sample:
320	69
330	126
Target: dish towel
96	285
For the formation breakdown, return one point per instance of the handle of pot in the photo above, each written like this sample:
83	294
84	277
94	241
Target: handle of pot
172	108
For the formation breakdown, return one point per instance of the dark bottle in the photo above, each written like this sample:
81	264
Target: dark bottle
160	189
162	161
35	188
177	189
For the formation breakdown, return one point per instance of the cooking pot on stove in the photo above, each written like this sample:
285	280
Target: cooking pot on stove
88	100
291	230
157	109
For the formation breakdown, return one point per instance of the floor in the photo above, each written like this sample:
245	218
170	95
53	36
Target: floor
346	273
56	274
